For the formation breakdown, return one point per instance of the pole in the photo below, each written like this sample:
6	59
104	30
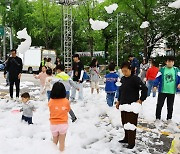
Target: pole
117	40
4	45
10	39
62	28
145	43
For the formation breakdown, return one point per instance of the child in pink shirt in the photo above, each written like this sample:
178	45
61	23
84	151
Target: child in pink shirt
42	77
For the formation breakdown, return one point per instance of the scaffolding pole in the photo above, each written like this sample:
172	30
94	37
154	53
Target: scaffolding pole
68	36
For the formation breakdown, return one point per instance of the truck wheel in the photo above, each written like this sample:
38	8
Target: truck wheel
30	70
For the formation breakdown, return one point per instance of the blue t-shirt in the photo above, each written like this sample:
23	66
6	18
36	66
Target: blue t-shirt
111	80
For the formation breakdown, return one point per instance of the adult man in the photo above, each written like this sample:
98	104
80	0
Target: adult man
77	76
14	67
134	64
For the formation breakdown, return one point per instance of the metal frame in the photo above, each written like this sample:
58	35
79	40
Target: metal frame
68	36
67	2
68	33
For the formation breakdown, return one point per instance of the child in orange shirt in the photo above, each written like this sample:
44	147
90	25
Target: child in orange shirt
59	106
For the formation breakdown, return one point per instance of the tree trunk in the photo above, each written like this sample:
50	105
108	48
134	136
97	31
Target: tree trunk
150	49
145	44
91	40
106	49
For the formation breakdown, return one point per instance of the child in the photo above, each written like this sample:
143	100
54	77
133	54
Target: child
48	83
150	77
143	69
42	77
168	80
59	107
27	108
94	76
110	87
68	83
128	94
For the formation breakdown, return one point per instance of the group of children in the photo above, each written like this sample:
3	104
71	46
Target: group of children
57	89
167	79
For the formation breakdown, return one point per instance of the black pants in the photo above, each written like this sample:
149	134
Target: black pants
160	104
27	119
130	136
13	80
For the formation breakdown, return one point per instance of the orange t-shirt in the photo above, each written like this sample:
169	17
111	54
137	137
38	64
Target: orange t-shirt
59	109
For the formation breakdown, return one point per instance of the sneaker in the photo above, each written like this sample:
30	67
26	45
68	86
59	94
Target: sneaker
158	122
72	100
17	99
169	122
73	120
10	99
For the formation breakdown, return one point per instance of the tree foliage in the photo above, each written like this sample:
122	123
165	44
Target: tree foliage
43	20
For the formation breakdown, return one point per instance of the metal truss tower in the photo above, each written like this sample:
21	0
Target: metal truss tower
68	35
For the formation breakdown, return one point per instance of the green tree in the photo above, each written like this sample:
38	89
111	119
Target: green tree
46	20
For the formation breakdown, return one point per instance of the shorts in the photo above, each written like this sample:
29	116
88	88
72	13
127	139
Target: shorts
94	85
58	129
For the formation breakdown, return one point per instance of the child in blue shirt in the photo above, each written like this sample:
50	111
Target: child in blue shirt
110	87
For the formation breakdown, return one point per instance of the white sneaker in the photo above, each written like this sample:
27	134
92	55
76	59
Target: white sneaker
17	99
158	123
10	99
169	122
72	100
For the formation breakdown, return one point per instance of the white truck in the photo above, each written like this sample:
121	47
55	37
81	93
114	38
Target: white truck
32	58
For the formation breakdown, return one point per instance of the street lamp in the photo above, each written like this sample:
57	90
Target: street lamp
10	28
117	52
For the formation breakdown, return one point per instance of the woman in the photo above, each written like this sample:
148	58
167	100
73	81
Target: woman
58	61
49	64
129	96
